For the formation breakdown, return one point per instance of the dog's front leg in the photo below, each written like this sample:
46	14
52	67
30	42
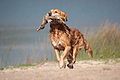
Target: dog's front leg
64	54
57	54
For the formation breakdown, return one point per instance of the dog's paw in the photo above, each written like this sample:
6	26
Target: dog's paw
70	66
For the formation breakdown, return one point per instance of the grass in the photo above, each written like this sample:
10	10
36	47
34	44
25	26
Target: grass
26	65
105	42
18	66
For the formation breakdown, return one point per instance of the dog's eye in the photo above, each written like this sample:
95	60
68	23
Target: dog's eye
55	11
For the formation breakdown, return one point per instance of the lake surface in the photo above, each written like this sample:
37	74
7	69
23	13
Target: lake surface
24	46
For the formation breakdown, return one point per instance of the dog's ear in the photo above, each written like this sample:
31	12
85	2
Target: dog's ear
64	15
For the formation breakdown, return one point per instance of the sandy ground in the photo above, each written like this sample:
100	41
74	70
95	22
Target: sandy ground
83	70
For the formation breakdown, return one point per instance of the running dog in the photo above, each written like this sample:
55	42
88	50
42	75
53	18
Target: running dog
63	38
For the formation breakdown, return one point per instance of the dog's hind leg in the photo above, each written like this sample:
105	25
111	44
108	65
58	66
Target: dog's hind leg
72	57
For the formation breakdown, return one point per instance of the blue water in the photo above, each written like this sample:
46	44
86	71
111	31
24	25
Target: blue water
24	46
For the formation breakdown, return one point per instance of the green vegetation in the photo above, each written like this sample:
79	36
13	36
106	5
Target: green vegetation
25	65
19	66
105	42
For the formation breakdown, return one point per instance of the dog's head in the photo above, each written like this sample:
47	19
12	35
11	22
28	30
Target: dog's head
51	15
59	13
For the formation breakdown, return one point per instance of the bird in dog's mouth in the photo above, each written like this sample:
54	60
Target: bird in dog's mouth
53	15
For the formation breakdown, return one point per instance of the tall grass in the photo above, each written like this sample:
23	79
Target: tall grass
106	41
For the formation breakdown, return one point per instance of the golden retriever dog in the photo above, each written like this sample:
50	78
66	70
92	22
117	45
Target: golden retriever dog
64	39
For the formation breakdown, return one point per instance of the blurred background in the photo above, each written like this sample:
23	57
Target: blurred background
20	44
